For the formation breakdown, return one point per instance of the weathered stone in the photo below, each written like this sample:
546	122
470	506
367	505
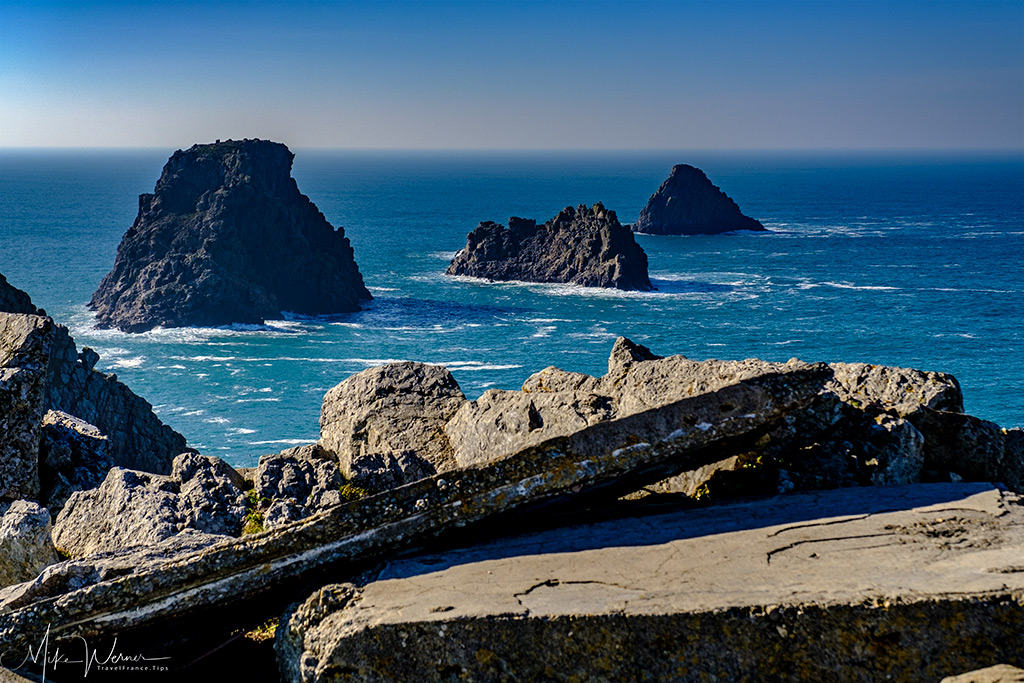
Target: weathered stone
135	508
604	459
25	545
903	390
296	483
1000	673
227	238
687	203
72	457
975	449
25	344
210	494
128	509
380	413
13	300
903	583
582	246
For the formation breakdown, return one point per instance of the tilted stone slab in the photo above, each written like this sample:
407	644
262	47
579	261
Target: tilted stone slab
681	436
907	583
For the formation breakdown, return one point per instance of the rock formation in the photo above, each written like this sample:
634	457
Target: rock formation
581	246
853	585
13	300
227	237
687	203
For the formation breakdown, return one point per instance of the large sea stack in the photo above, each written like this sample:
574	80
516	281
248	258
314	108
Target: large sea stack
687	203
227	237
581	246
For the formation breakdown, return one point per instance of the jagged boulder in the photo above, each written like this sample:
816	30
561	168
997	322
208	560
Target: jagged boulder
687	203
227	237
13	300
72	457
385	425
133	508
296	483
25	545
581	246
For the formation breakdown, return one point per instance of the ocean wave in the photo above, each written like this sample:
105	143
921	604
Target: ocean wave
133	362
285	442
847	285
473	366
217	421
256	400
241	430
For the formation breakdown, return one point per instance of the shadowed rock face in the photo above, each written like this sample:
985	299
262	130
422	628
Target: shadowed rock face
687	203
227	237
13	300
581	246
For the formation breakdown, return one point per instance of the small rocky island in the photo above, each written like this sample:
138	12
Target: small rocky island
226	237
581	246
687	203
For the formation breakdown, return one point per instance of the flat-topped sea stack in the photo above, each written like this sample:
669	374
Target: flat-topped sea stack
227	237
581	246
687	203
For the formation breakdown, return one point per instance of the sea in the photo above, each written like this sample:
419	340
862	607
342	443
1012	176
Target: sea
912	260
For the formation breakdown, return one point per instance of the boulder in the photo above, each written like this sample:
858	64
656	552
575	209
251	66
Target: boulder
13	300
133	508
687	203
25	343
227	237
581	246
25	545
385	424
190	590
907	583
72	457
296	483
974	449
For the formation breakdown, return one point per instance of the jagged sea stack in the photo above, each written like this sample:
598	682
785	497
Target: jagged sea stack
687	203
226	237
581	246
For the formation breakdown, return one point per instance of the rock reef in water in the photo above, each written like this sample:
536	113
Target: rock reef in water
687	203
227	237
581	246
13	300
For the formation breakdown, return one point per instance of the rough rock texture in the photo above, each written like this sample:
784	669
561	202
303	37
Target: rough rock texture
385	424
296	483
25	545
1000	673
603	460
133	508
25	343
973	448
41	369
137	438
72	575
905	583
587	247
227	238
72	457
13	300
687	203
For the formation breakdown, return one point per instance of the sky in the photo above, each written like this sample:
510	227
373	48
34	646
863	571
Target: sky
507	74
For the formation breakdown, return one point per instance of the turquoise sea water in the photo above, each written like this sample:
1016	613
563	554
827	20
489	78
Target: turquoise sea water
913	261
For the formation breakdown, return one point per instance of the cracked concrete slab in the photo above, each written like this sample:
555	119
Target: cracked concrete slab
913	582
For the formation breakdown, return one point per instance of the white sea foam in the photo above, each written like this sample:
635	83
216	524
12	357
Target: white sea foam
257	400
475	366
217	420
241	430
194	412
286	442
847	285
133	362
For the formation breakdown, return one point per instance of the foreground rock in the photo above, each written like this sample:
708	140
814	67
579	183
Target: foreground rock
135	508
605	459
687	203
581	246
385	425
41	373
227	238
906	583
25	545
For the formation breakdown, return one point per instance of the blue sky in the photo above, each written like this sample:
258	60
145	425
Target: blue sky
830	74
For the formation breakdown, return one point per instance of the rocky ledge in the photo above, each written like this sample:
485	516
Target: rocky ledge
227	237
918	578
687	203
581	246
